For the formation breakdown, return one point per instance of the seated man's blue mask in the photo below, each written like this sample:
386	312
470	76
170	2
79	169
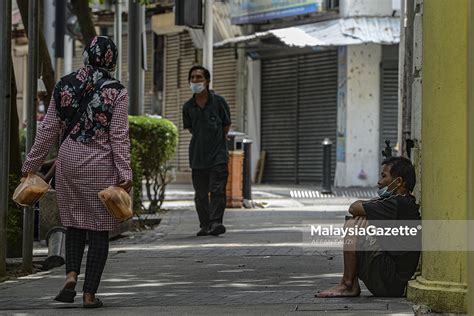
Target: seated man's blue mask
384	192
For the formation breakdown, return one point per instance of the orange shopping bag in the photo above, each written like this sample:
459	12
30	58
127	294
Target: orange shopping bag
117	201
30	190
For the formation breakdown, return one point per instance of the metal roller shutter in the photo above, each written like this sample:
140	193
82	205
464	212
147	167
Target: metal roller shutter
224	82
317	108
389	103
299	110
279	95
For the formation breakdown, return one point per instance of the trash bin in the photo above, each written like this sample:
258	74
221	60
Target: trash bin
56	242
235	140
233	190
234	180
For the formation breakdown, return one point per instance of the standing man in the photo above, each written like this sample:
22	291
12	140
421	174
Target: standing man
207	117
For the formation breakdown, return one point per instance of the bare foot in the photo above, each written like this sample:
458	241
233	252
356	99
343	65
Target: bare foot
71	280
88	298
341	290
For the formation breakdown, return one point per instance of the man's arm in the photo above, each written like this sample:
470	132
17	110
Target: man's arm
226	131
187	120
357	209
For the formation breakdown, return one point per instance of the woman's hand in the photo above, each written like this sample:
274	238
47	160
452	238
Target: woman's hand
126	185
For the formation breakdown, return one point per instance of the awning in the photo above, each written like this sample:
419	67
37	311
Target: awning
339	32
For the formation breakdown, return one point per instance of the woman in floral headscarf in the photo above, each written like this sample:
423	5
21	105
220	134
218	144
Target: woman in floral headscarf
93	155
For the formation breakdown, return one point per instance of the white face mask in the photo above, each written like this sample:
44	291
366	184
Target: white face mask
197	87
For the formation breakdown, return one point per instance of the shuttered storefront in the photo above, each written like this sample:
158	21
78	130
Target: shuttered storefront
389	96
180	56
299	110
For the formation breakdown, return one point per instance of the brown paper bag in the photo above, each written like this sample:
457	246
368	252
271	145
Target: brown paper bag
30	190
117	201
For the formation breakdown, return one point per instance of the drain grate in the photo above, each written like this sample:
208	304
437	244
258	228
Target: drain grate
350	193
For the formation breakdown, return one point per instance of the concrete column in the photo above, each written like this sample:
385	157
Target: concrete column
241	97
470	187
442	284
253	109
358	125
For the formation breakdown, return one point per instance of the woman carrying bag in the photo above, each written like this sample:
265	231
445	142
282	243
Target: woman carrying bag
89	111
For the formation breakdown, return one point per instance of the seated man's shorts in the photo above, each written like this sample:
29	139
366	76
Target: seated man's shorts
377	269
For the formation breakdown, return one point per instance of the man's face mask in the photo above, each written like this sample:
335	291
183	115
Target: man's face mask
384	192
197	87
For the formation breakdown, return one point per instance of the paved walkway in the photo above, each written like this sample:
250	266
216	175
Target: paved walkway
257	268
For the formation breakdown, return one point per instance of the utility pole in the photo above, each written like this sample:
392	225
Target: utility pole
135	17
5	97
33	47
208	38
118	37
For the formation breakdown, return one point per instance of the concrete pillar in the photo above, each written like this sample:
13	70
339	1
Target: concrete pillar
358	124
253	109
442	284
470	187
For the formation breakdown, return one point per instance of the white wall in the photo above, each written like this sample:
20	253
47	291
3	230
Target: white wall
253	109
348	8
362	116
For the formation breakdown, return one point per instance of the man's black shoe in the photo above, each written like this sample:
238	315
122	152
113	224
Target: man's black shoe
202	232
217	229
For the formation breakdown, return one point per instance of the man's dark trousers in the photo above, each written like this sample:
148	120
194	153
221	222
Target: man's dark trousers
213	180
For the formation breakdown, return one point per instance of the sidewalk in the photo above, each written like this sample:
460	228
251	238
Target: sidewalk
257	268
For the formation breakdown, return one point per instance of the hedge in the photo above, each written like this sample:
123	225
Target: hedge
153	143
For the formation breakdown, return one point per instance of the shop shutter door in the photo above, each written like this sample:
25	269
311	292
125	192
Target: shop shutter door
299	110
317	118
279	119
389	106
224	82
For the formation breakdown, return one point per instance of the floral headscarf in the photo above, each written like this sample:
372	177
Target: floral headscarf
93	84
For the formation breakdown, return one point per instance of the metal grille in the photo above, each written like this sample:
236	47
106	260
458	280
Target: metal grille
317	108
389	106
299	110
279	93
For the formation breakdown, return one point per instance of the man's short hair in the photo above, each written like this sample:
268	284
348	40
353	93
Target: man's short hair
207	74
402	167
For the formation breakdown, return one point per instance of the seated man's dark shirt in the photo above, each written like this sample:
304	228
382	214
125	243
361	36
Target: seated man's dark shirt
395	211
208	146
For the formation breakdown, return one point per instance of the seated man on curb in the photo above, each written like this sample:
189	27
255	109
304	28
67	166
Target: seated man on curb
385	272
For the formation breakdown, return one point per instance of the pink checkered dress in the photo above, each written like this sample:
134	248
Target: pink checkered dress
84	169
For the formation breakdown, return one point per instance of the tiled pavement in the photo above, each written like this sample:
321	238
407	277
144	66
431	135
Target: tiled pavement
257	268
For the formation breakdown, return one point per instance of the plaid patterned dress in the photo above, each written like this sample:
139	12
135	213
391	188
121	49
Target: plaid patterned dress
84	169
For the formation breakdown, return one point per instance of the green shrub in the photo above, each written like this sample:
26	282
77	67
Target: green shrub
153	142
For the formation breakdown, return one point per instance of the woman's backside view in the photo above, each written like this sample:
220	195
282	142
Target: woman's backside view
88	113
